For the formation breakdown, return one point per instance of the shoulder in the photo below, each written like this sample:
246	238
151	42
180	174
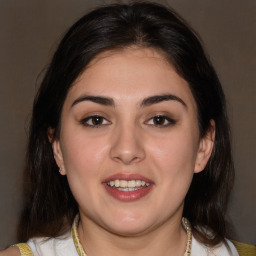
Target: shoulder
245	249
52	246
221	249
12	251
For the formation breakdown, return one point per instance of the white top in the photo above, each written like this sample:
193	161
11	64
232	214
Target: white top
64	246
61	246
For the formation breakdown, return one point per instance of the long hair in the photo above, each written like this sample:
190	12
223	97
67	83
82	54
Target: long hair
49	205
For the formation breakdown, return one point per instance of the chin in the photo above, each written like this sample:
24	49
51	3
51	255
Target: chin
129	230
130	226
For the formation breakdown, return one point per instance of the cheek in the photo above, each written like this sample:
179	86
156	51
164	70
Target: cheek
84	160
175	154
83	155
172	158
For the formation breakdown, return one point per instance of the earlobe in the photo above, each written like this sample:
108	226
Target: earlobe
205	148
58	156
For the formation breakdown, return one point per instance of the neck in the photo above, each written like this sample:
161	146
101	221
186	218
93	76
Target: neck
169	238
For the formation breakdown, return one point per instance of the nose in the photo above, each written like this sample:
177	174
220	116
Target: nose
127	146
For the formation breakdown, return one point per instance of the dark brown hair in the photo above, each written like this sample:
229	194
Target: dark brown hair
50	207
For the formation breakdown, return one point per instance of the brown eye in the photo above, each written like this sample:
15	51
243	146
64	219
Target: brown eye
95	121
160	121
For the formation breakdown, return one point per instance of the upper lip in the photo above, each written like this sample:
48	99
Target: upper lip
127	176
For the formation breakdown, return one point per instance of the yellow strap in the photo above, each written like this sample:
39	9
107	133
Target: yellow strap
245	249
24	249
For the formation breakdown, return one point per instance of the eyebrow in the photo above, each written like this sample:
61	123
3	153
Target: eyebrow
106	101
160	98
96	99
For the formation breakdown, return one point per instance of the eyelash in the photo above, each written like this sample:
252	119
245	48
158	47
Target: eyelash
167	121
88	121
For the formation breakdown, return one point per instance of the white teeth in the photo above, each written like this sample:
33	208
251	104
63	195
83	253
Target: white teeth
137	183
130	185
123	183
128	189
117	183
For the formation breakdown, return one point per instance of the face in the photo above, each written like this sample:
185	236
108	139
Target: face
129	142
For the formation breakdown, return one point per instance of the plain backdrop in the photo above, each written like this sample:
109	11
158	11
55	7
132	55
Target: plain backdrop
30	31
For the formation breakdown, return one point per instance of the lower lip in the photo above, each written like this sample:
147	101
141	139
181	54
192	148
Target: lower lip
128	196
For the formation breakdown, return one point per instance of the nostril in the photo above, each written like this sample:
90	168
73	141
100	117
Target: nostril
127	159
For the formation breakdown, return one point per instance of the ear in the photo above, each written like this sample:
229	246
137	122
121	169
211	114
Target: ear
205	148
58	156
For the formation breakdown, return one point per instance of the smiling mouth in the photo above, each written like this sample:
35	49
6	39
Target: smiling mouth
128	189
128	185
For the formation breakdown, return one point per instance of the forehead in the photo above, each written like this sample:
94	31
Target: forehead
132	62
130	74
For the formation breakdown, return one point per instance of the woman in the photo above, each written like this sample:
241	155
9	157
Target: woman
129	142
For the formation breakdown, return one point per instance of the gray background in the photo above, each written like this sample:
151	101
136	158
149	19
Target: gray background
29	33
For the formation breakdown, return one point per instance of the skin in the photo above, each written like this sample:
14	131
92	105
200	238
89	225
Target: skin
12	251
128	140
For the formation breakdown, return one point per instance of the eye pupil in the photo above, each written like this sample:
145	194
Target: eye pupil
159	120
97	120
